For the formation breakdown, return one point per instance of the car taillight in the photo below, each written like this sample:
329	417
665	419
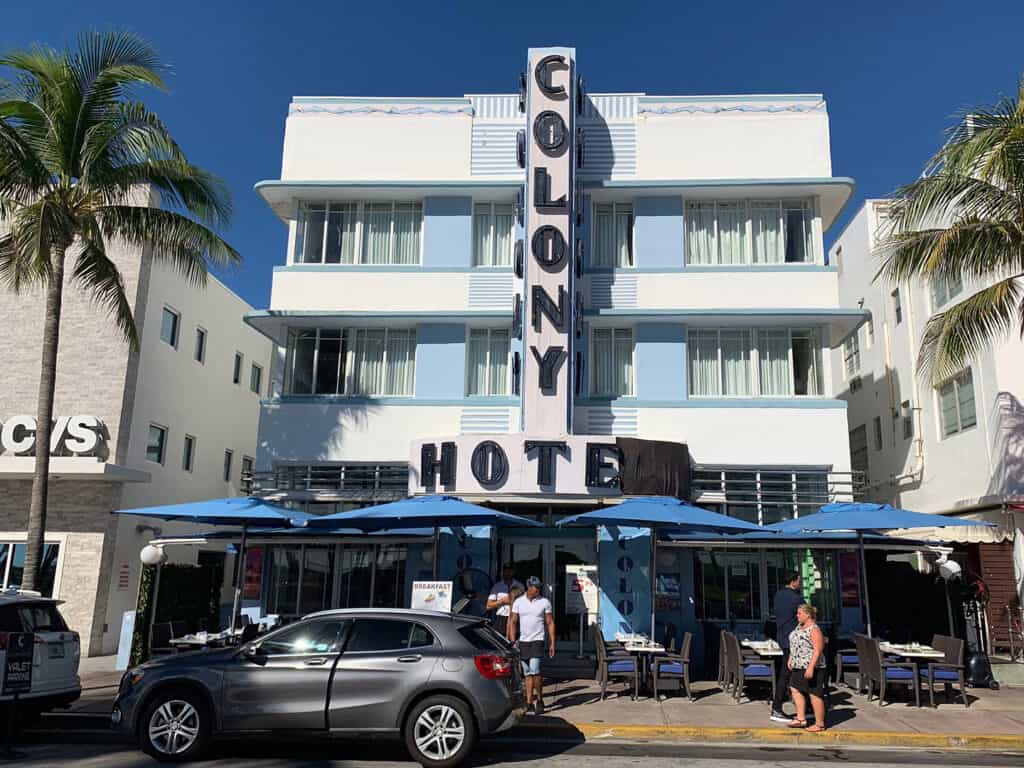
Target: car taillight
492	666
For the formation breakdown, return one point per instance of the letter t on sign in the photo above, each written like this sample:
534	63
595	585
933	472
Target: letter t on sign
546	458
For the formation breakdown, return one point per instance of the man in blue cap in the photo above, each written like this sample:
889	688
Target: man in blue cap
531	615
786	601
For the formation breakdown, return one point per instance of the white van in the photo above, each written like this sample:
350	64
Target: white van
55	681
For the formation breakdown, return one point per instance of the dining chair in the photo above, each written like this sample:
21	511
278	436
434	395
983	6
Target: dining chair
675	665
160	645
745	671
884	672
614	667
847	660
948	671
723	665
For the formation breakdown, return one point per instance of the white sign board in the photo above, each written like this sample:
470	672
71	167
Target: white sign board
432	596
124	645
581	589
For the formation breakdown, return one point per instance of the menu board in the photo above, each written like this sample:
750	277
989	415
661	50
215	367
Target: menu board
432	596
581	589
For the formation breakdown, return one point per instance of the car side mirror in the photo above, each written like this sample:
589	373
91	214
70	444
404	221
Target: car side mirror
252	651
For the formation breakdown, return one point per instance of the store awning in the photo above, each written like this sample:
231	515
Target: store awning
1000	528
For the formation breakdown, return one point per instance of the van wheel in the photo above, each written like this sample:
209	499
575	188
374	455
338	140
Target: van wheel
440	732
175	726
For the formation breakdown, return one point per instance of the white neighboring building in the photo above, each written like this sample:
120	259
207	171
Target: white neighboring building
958	448
152	408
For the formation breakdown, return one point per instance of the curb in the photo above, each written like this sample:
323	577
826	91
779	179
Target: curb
595	732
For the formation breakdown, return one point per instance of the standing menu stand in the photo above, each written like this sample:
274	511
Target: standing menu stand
17	680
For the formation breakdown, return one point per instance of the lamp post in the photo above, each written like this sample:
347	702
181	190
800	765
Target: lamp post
153	555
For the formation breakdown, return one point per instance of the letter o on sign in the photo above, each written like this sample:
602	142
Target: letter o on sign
548	246
489	464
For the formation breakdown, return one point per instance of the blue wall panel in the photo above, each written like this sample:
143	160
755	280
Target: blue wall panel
441	360
448	232
661	361
624	576
658	231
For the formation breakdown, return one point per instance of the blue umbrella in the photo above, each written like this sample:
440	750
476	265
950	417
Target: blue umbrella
660	513
240	511
428	511
861	518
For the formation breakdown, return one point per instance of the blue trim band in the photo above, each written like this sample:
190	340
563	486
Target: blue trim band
745	312
259	314
729	269
466	184
391	268
362	402
844	181
754	98
812	403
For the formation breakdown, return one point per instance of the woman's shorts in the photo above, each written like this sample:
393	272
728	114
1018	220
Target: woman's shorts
815	686
530	654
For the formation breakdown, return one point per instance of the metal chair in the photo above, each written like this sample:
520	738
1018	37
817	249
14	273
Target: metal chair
947	671
675	665
884	673
847	660
614	667
160	644
744	671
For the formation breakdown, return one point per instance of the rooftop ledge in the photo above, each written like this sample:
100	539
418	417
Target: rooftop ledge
282	194
71	468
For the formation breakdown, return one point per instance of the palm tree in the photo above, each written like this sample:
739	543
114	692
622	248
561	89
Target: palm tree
964	221
75	151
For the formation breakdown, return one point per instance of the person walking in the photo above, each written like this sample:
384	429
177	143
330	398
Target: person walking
502	595
807	669
785	604
531	615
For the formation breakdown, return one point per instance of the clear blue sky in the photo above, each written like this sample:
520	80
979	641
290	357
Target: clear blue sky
893	72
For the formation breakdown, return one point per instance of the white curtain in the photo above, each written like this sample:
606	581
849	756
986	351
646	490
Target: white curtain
377	233
341	234
736	372
773	351
623	341
476	363
965	395
483	248
703	353
732	231
408	220
700	233
367	361
604	236
504	231
797	223
310	241
806	363
400	362
623	235
498	363
764	221
613	361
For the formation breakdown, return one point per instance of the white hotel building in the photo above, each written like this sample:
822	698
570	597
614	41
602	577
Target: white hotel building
635	276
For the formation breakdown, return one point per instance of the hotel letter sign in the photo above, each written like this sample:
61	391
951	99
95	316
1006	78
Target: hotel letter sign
549	242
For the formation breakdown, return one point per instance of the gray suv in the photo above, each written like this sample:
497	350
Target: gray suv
437	680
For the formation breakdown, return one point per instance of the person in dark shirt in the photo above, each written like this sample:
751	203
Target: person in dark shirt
786	601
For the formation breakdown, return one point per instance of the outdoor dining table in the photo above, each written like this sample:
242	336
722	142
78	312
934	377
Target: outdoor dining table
205	639
910	650
643	650
768	648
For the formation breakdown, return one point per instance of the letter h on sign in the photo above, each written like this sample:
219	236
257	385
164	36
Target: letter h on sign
437	470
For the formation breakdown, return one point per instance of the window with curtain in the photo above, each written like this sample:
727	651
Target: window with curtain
807	373
851	355
493	234
487	364
740	232
720	362
359	233
354	361
945	289
745	362
611	372
956	404
613	235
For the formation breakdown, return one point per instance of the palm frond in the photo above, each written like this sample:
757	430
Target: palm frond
130	134
100	277
969	248
953	337
188	245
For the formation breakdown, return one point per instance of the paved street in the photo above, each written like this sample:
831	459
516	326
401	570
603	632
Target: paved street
498	754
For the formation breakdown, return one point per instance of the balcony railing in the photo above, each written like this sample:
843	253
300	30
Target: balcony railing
357	480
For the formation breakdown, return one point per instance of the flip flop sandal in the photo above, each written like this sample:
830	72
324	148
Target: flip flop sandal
797	724
817	729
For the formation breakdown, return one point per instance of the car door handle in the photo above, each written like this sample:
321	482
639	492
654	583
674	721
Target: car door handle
317	662
409	659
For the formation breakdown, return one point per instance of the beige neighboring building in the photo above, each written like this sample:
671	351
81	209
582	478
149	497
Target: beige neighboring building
174	422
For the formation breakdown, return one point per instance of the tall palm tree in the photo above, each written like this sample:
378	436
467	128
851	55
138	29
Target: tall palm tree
964	220
75	151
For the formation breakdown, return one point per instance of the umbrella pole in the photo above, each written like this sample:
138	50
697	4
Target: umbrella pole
437	548
864	581
239	577
654	579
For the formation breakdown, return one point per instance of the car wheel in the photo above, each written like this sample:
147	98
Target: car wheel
440	732
175	726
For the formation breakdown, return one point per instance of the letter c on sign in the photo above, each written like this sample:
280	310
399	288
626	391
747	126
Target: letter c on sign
542	74
489	464
18	434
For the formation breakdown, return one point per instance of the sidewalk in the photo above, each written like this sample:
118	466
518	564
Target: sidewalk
995	719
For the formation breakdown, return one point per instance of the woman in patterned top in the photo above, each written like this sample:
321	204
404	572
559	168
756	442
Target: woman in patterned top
807	669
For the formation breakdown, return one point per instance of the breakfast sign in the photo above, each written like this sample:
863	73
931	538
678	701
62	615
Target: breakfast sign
546	455
431	596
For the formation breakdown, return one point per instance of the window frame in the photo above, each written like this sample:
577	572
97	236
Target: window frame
851	356
188	453
165	432
229	460
255	370
200	348
631	240
492	227
942	291
8	562
345	361
897	305
955	383
169	310
236	368
508	361
407	648
782	205
359	232
876	430
592	359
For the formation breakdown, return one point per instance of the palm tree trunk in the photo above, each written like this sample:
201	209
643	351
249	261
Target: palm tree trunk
44	422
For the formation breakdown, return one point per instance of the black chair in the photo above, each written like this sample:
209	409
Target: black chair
614	667
743	671
847	660
179	628
160	645
249	632
674	665
882	672
948	671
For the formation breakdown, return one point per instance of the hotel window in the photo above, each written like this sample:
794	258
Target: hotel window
156	443
246	481
728	585
12	571
255	378
613	235
877	427
744	362
487	364
236	371
944	289
956	404
859	449
359	233
355	361
493	234
188	453
908	420
229	455
169	327
897	306
739	232
199	354
611	350
851	355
